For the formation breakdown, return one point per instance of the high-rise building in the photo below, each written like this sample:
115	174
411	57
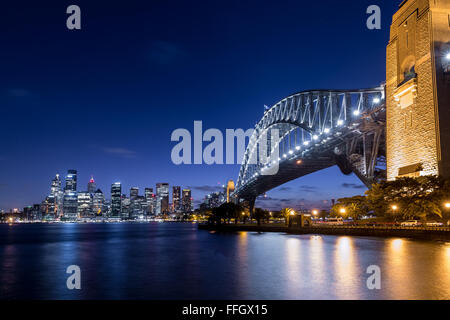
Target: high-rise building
125	210
84	204
162	198
135	203
92	187
58	194
70	206
116	199
71	181
187	200
176	196
98	203
70	198
150	201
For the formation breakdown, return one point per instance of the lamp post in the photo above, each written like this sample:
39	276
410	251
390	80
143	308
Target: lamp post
447	204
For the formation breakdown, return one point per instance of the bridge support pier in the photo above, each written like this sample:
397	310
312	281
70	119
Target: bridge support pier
252	207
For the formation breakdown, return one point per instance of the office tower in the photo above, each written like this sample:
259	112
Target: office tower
91	186
71	181
135	203
84	204
116	199
58	194
187	200
149	200
162	198
51	207
36	212
70	206
98	203
176	190
125	210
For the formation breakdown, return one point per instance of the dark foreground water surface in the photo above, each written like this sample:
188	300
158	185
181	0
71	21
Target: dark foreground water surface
177	261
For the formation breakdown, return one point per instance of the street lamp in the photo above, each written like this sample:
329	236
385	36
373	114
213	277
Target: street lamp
342	210
447	56
447	205
292	212
394	207
315	212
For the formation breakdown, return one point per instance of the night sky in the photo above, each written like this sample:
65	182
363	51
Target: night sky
105	99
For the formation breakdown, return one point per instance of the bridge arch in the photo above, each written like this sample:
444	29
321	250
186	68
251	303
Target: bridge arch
322	127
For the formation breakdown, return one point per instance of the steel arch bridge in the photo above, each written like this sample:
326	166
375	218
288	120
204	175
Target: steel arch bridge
313	130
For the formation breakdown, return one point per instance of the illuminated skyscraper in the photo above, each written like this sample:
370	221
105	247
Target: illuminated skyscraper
70	207
162	198
98	203
187	200
70	200
91	186
116	199
150	201
58	195
176	195
84	204
71	181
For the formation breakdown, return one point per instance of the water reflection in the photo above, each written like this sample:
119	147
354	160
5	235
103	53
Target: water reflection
177	261
348	282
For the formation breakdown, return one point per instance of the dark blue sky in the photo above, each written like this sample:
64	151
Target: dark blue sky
105	99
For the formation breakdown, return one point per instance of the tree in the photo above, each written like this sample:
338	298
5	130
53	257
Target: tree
227	211
286	212
260	214
355	207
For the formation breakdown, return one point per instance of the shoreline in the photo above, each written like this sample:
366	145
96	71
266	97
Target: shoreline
381	232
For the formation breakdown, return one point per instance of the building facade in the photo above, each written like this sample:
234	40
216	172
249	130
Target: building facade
116	199
162	198
176	198
418	90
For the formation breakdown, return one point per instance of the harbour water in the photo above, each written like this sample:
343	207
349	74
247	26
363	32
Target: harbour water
178	261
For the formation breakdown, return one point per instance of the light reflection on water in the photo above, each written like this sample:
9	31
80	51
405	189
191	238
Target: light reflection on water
177	261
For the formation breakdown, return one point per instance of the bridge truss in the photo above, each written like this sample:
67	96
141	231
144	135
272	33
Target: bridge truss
313	130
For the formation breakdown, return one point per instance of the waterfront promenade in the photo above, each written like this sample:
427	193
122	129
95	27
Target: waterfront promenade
423	233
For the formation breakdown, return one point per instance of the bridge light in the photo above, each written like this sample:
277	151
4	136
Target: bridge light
284	155
291	152
327	130
356	112
447	56
340	122
376	100
306	143
297	148
315	137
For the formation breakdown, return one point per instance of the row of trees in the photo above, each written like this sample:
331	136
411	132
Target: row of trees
232	213
424	198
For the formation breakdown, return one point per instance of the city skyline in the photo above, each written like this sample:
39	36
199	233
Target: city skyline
217	82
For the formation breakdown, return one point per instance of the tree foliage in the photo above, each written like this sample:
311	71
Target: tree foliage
401	199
